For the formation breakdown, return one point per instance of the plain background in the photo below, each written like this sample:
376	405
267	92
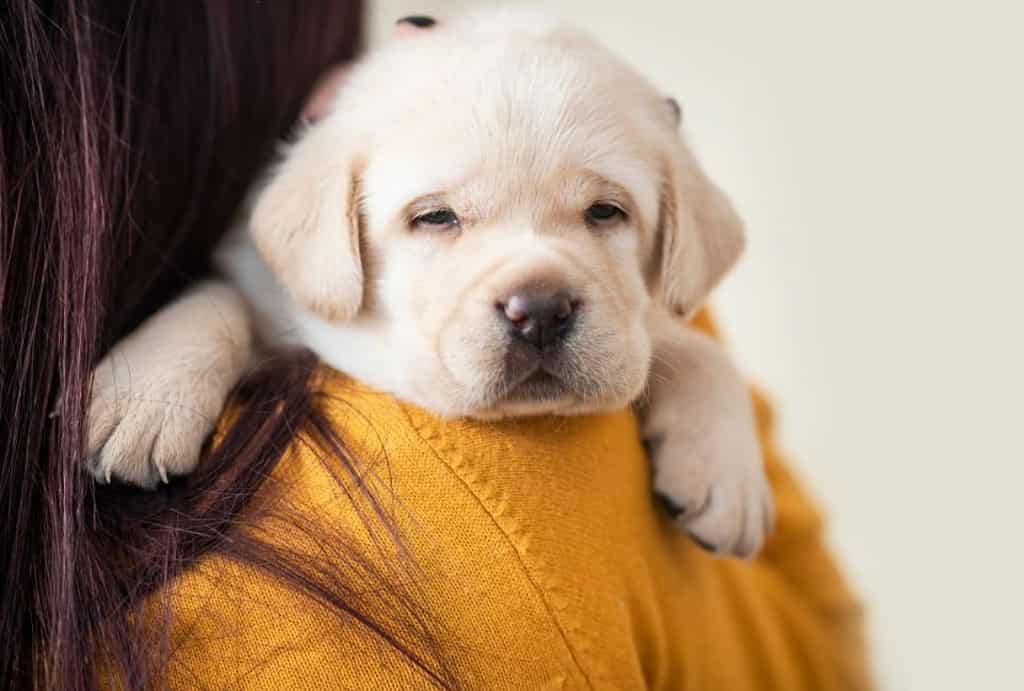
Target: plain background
875	151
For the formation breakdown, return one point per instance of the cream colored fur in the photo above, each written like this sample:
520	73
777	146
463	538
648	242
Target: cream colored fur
516	124
157	394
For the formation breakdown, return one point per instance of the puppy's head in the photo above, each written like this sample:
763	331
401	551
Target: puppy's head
494	209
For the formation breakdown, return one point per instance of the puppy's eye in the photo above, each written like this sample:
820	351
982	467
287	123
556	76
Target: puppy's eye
439	218
603	213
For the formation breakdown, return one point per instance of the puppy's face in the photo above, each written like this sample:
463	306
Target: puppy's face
511	277
495	210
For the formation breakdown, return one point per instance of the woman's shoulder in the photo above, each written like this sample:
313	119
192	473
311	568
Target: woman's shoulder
531	549
512	538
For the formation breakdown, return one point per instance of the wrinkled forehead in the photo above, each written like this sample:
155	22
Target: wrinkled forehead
507	117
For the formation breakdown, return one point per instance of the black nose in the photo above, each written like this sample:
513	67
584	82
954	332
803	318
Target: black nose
539	315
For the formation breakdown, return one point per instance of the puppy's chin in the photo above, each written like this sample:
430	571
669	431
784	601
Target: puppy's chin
538	395
544	394
489	403
490	379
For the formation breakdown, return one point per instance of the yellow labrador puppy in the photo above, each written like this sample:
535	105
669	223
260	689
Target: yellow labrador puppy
497	218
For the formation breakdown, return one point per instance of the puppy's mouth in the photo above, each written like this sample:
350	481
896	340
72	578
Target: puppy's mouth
561	381
539	385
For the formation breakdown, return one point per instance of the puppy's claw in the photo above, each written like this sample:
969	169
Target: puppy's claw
671	506
707	546
420	21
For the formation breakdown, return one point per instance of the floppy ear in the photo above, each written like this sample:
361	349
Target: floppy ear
305	223
702	236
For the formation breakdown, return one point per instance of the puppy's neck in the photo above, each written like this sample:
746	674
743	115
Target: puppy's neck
356	348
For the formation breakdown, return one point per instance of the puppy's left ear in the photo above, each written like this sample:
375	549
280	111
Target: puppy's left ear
306	224
702	235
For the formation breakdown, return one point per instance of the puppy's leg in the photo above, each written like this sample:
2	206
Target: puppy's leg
158	393
699	427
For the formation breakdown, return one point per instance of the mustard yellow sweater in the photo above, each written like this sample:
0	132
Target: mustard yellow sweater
542	559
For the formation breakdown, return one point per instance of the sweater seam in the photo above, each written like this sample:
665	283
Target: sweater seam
541	592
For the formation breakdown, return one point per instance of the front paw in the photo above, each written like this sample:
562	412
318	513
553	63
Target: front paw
147	424
716	492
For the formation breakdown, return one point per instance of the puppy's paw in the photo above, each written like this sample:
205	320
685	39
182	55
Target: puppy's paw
148	419
718	493
158	394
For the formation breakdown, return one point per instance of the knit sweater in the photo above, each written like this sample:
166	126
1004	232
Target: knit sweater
538	559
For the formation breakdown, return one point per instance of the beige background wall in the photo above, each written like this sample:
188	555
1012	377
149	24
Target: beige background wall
875	150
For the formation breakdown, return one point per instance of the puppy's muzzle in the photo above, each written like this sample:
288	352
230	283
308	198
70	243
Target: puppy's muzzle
540	316
539	319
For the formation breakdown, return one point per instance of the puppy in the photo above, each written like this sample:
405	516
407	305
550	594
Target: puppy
497	218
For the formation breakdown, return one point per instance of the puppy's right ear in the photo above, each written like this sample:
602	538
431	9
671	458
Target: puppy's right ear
306	221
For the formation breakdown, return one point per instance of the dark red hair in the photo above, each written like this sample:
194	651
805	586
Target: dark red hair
129	133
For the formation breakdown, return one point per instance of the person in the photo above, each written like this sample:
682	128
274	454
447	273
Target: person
332	537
